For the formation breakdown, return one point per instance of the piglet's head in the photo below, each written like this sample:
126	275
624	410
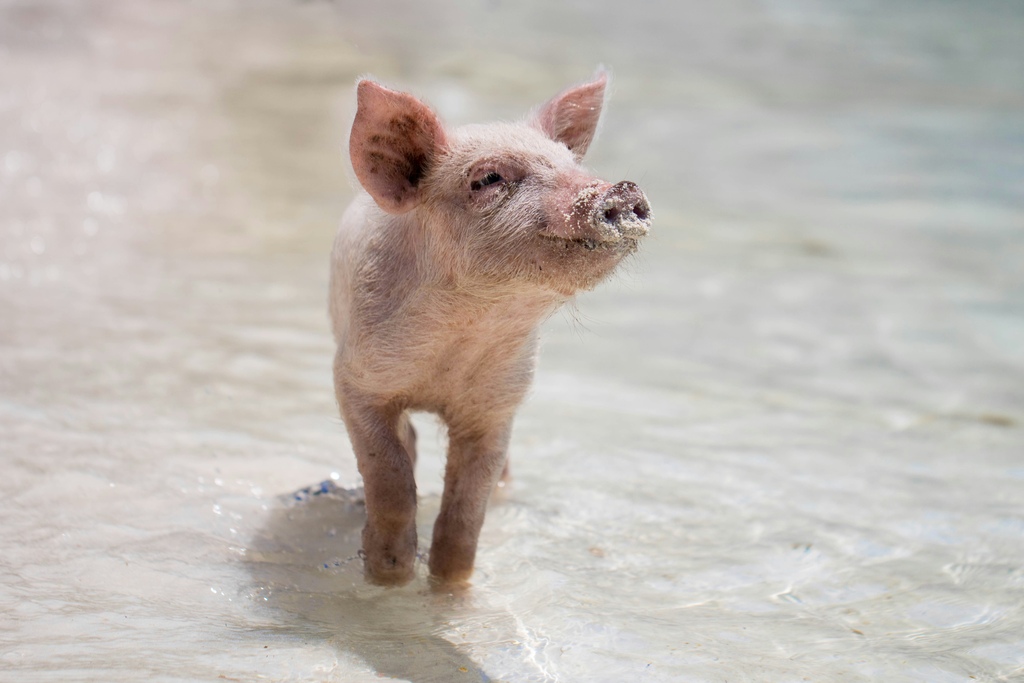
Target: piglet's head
506	201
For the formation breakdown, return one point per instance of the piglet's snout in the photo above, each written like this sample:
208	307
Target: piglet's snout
622	212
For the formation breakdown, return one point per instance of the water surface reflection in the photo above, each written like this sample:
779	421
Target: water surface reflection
785	443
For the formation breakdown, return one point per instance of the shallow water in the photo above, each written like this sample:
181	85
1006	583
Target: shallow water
784	444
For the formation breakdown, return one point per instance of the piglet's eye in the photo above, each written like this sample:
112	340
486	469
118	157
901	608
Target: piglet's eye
489	179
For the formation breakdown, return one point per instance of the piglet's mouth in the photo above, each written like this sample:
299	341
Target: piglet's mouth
593	243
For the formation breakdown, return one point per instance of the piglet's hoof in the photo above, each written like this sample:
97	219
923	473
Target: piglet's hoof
386	565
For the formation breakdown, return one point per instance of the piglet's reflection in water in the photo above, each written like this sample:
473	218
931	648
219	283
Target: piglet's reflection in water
305	565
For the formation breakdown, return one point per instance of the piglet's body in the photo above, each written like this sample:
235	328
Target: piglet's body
465	241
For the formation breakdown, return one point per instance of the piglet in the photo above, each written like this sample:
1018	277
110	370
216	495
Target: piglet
464	241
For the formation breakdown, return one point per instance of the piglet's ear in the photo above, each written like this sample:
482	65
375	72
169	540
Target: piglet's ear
572	116
395	140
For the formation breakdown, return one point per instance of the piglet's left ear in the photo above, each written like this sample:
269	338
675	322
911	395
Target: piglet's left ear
571	117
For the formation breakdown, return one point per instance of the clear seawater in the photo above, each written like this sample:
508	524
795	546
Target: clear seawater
785	443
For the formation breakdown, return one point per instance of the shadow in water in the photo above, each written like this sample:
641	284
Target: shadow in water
305	567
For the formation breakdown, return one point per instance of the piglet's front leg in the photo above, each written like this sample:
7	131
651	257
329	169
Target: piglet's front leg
381	438
476	459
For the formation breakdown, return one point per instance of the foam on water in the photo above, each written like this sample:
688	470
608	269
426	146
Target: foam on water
785	444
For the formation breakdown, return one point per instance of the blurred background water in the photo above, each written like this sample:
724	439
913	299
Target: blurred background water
785	444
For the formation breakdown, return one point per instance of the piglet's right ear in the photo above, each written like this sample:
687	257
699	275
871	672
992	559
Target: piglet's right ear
395	139
572	116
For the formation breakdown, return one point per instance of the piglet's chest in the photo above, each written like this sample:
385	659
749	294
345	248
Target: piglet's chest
460	344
